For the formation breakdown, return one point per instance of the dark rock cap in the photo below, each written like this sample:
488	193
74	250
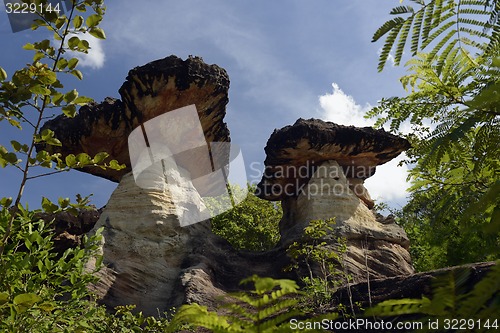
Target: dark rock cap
149	91
294	152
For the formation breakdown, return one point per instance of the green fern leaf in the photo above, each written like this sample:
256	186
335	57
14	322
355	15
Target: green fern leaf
447	58
483	292
417	27
397	307
401	10
389	42
405	29
386	27
438	33
427	26
436	15
440	45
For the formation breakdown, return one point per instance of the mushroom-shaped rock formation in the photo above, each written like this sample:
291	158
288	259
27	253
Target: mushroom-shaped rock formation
146	252
317	170
293	154
149	91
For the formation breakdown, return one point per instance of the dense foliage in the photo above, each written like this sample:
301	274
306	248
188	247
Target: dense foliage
453	215
251	225
40	290
453	81
267	308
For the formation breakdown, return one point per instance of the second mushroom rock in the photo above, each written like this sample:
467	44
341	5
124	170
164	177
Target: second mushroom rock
317	170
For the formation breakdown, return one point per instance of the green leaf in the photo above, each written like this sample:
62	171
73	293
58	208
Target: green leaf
29	47
47	306
77	73
62	64
57	98
83	159
3	74
60	22
38	56
4	298
6	202
48	206
47	78
78	21
39	90
69	110
71	160
113	164
73	43
70	96
84	46
82	100
97	33
27	300
100	157
93	20
72	63
16	145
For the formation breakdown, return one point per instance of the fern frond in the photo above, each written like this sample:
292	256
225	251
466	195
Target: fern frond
438	32
436	15
447	57
427	27
405	29
401	10
417	26
272	310
397	307
490	198
483	291
441	43
433	21
389	42
239	310
386	27
271	323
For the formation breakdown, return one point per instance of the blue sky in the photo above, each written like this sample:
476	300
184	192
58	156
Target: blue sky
286	59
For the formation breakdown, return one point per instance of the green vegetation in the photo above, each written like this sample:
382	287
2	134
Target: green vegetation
268	308
251	225
41	291
453	81
323	263
452	216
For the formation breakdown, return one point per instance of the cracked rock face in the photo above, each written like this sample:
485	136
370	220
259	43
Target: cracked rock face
149	91
317	170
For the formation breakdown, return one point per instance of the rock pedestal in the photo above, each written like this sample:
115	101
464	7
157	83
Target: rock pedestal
144	247
374	249
317	170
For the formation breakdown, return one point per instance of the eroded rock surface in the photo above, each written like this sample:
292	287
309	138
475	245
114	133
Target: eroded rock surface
317	170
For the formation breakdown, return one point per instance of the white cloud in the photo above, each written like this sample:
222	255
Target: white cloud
342	109
95	57
389	182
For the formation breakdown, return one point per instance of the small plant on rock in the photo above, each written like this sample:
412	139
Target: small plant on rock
322	261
